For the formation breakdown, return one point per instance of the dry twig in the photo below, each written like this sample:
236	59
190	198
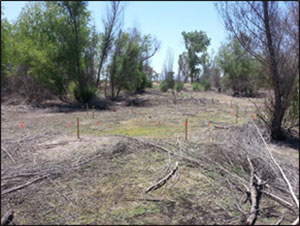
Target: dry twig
163	181
7	218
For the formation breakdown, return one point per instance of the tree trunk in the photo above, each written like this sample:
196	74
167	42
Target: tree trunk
278	112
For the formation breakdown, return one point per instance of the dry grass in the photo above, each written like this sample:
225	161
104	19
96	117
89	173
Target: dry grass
100	178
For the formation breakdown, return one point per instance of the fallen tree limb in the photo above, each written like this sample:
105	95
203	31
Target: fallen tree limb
23	185
279	200
237	205
163	181
280	220
255	195
12	159
7	218
296	222
280	169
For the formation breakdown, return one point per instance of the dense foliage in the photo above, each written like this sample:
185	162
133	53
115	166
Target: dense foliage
54	46
239	68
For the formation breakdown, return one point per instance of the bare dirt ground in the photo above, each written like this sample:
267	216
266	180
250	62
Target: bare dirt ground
101	177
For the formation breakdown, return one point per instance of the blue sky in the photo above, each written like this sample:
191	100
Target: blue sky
163	19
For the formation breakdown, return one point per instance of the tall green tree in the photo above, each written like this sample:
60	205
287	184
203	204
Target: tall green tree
51	47
130	55
239	68
196	43
183	67
112	24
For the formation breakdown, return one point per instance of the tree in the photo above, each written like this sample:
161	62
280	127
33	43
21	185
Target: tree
51	49
126	68
168	72
183	68
261	28
195	42
239	68
112	24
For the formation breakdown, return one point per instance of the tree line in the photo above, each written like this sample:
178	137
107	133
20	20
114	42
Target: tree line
56	46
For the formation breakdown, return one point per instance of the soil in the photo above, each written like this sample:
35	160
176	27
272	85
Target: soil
100	178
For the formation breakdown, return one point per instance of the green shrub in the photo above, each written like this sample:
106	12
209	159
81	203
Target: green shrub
197	86
85	94
71	90
170	80
178	86
163	86
88	92
206	84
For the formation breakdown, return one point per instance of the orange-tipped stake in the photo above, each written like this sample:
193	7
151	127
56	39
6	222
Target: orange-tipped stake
208	125
97	123
186	129
159	123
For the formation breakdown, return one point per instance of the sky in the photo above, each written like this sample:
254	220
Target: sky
164	20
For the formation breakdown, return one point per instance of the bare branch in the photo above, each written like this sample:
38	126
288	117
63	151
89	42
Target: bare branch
280	169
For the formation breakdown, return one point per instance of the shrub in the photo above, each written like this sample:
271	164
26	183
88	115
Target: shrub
206	84
144	83
163	86
85	94
170	80
197	86
178	86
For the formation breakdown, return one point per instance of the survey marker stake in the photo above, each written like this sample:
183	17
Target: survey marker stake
77	127
186	128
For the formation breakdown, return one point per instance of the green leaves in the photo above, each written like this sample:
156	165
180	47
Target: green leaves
195	42
240	70
51	40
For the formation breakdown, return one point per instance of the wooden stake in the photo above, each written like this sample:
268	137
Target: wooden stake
78	128
93	111
87	108
237	114
186	126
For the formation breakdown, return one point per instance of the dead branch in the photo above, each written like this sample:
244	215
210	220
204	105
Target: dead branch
296	222
280	220
163	181
12	159
279	200
255	188
236	203
7	218
23	185
280	169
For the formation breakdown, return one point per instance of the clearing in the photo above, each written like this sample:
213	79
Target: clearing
101	177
